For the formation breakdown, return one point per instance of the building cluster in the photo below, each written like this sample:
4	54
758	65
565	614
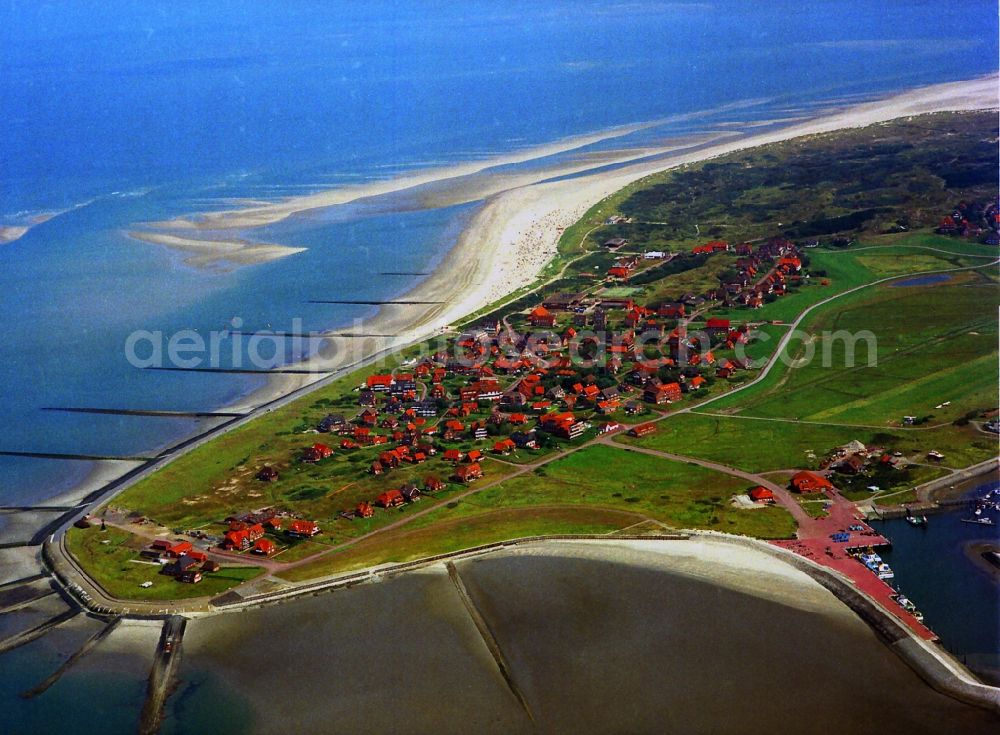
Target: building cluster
974	221
247	532
180	559
588	360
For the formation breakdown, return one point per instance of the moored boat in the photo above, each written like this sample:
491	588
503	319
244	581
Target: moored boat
981	520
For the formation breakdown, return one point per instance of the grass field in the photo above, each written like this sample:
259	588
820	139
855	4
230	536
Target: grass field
461	533
932	344
114	565
596	490
765	446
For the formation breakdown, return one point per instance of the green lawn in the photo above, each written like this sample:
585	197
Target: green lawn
765	446
461	533
676	493
596	490
931	345
117	567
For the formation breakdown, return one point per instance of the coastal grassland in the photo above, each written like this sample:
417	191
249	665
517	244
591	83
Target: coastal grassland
933	344
846	182
697	280
316	491
761	445
598	486
114	564
218	478
416	542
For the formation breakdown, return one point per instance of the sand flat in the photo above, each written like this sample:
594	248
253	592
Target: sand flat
10	233
604	637
205	252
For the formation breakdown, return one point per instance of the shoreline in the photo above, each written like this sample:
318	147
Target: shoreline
746	567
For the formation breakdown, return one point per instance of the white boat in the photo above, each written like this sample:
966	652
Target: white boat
980	520
884	571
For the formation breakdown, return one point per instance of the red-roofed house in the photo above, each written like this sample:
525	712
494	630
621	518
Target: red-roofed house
316	452
662	393
390	499
541	317
380	382
236	541
810	482
264	547
761	494
302	529
505	446
469	472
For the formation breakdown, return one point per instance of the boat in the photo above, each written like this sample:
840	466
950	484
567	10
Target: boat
917	520
918	615
884	571
980	520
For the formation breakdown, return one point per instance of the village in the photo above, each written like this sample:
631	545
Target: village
572	367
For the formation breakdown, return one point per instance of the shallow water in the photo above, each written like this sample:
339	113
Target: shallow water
924	280
593	645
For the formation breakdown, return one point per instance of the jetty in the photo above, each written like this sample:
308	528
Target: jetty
27	636
155	413
162	674
86	648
